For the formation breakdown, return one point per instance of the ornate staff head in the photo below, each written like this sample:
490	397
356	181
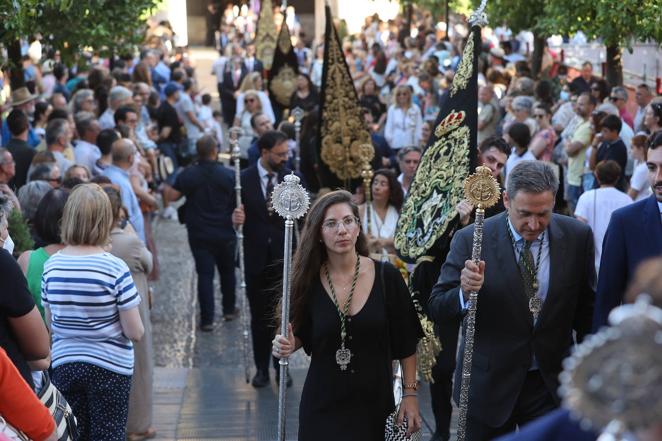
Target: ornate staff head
298	114
481	189
613	380
290	199
235	133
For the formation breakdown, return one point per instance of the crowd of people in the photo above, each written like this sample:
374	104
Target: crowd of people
91	154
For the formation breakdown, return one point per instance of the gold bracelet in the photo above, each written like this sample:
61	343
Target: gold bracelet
413	385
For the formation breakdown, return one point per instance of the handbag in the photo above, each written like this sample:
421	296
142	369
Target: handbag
9	433
52	398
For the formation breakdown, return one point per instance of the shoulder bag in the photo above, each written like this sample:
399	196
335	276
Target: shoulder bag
52	398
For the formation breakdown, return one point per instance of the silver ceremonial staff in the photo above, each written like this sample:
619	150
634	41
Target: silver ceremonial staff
235	132
298	115
482	190
290	200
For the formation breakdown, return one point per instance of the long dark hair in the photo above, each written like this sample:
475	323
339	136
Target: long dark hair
311	253
396	196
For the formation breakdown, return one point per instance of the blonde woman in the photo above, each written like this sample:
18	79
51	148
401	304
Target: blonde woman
252	105
404	122
91	304
253	82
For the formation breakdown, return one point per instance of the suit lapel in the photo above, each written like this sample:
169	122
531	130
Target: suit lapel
557	249
653	225
255	188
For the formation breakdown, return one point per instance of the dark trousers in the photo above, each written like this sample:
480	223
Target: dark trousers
209	255
170	150
99	399
441	391
228	107
263	294
534	401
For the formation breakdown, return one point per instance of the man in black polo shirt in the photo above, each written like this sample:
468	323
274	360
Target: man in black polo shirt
170	127
18	146
210	200
612	147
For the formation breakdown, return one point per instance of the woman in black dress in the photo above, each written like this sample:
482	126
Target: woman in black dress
354	316
306	96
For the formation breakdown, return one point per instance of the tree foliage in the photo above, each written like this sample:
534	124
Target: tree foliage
617	23
70	26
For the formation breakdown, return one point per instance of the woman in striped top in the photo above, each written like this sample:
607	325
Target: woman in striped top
91	304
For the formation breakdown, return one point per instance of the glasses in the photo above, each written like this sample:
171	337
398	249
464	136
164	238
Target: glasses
348	222
249	100
614	98
539	116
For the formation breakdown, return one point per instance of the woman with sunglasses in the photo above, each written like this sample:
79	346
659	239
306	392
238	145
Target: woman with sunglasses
403	121
253	82
542	144
354	316
252	105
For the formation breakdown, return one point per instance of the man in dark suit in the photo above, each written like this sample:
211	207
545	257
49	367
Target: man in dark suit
492	153
264	235
530	257
251	63
233	74
18	124
633	235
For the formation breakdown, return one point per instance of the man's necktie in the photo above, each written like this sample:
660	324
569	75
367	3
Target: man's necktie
270	189
527	267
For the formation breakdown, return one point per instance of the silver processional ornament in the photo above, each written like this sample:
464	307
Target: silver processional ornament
613	381
290	200
482	191
298	115
235	133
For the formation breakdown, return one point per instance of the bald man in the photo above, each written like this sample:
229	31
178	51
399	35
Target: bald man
123	153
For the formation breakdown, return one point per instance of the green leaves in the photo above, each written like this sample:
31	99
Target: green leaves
70	25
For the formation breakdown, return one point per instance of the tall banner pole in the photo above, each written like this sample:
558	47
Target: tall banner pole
235	132
290	200
481	190
298	114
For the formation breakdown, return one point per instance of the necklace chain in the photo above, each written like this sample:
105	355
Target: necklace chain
342	313
533	272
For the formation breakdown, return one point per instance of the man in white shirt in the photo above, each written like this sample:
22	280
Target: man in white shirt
58	137
596	206
118	97
186	108
643	97
86	151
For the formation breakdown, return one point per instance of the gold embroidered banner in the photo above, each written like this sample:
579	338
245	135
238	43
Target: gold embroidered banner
284	69
345	142
265	35
429	210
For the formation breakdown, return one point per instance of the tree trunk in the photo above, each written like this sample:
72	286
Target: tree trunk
16	78
614	66
536	58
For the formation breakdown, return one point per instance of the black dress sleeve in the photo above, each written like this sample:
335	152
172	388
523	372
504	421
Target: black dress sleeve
15	300
304	331
404	327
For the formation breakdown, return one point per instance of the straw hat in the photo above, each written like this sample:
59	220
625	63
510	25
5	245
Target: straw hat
21	96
